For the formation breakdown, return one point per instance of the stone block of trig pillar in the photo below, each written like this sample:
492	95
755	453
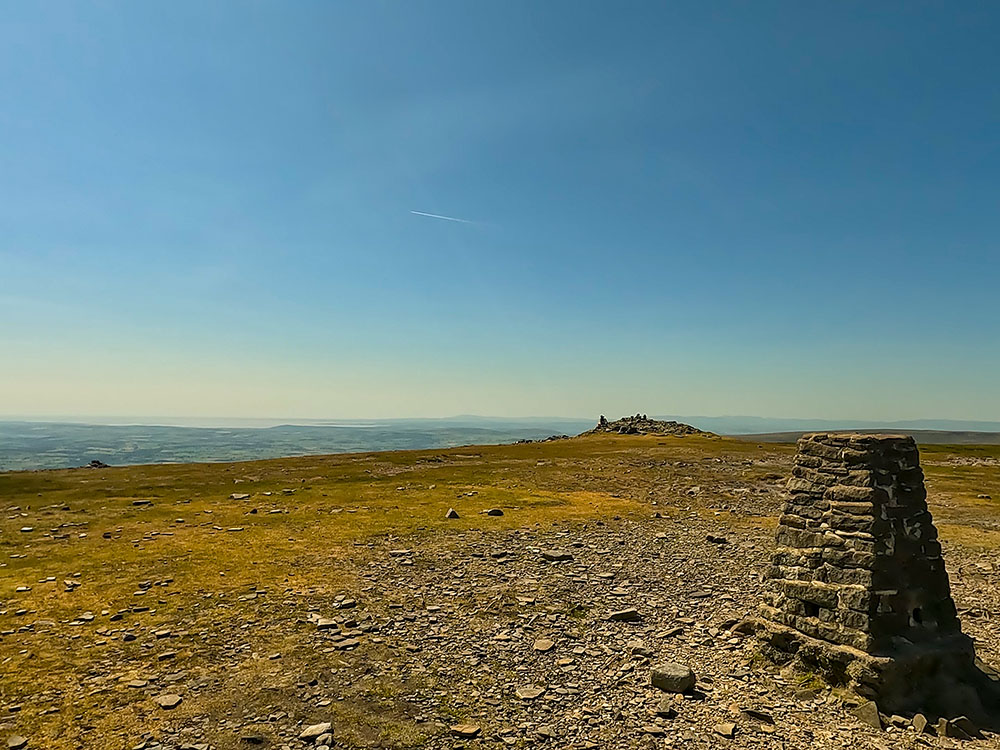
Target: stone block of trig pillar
860	593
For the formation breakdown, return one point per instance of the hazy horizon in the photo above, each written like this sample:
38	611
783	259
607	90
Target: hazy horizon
697	420
33	445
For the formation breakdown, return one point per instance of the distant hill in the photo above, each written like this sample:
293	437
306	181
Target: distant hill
928	437
750	425
56	445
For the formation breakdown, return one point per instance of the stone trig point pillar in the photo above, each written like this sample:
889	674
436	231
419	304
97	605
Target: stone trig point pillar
861	595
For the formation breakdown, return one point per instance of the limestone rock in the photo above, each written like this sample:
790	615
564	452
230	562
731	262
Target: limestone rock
868	713
959	728
466	731
671	677
168	701
725	729
314	731
665	708
555	555
528	692
625	615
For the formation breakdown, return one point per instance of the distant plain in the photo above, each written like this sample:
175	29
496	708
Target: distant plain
35	444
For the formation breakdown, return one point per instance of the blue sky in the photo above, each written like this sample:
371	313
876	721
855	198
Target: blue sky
787	209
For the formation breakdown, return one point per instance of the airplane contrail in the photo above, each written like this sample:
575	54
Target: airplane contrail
439	216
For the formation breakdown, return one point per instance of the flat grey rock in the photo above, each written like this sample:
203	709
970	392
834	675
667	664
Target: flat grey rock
671	677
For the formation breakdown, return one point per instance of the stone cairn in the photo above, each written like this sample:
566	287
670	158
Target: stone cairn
861	596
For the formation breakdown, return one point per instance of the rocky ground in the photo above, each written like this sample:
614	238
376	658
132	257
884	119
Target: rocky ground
542	634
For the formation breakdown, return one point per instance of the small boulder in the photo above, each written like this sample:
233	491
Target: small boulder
959	728
452	513
313	731
671	677
466	731
868	713
665	709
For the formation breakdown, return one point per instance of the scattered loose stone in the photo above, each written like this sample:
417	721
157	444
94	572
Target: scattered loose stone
168	701
755	715
555	555
868	713
529	692
547	732
725	729
625	615
313	731
466	731
665	709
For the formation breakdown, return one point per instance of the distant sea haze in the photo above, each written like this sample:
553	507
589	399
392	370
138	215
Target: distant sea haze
54	444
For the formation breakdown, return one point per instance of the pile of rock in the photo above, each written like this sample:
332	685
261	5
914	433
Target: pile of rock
640	424
861	594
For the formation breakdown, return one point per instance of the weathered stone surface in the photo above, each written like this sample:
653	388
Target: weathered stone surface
313	731
168	701
671	677
640	424
868	713
625	615
726	729
466	731
556	555
861	593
